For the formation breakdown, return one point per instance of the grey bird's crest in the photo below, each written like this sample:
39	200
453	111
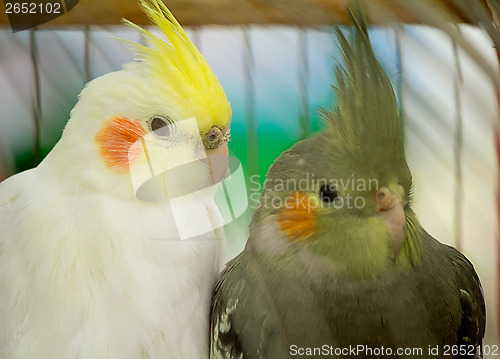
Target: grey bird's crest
366	116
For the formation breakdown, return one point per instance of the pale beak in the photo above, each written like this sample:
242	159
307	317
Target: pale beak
218	161
389	207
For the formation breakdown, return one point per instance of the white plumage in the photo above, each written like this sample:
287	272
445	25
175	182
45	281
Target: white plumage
81	278
88	270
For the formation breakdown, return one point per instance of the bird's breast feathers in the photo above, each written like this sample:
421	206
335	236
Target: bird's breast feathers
108	274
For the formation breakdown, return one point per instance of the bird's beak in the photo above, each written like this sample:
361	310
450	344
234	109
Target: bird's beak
217	161
389	207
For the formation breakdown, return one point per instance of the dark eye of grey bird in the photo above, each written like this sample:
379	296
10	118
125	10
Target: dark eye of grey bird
328	193
160	126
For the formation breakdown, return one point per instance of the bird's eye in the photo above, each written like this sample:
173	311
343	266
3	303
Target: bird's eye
213	138
160	125
328	193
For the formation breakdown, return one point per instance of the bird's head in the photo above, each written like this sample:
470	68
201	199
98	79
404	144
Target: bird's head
346	192
158	128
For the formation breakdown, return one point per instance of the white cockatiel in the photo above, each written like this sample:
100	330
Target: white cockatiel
91	264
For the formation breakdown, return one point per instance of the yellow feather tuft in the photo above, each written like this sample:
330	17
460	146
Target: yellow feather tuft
177	62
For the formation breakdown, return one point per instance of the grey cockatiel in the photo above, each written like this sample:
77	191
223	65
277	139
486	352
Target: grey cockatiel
336	258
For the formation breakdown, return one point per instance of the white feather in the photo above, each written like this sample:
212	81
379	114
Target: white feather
81	278
89	271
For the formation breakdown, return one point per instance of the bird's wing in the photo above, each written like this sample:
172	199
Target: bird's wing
10	189
243	322
224	341
471	331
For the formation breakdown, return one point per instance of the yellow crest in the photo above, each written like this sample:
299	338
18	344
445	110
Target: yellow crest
177	62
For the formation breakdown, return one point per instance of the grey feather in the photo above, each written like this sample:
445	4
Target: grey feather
342	286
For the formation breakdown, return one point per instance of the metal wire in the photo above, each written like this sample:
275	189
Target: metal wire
37	108
304	120
457	84
88	44
250	105
399	32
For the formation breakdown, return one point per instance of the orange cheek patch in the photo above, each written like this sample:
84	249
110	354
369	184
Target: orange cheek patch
114	141
297	218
